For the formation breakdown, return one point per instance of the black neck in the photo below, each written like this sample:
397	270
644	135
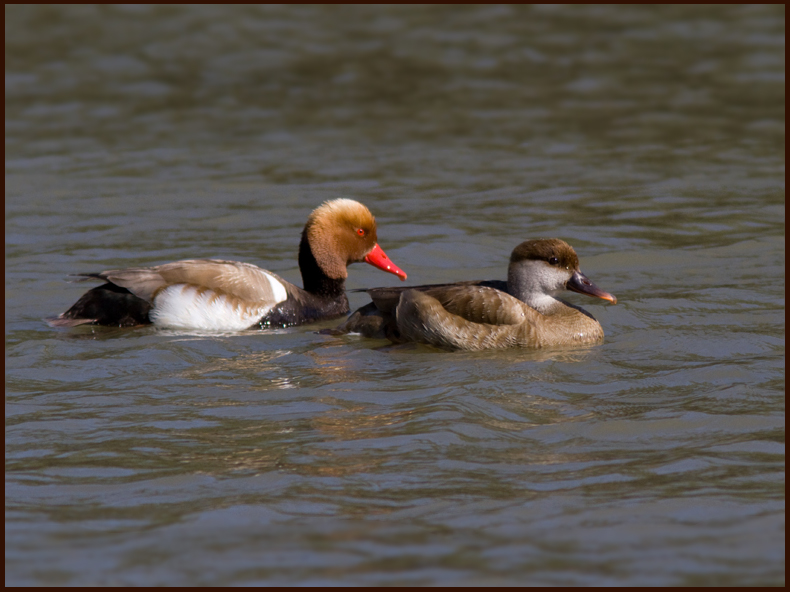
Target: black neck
314	279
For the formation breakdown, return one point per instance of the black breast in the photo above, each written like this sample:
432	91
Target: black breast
304	307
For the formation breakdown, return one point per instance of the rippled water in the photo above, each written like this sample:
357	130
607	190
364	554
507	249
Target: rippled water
650	138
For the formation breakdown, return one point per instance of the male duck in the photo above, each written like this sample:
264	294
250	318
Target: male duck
207	294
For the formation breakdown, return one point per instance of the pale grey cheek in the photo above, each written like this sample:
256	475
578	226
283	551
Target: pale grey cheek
552	278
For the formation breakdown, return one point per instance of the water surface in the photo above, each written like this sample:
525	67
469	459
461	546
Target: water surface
650	138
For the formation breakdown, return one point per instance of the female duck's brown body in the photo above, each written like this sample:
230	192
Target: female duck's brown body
522	312
229	295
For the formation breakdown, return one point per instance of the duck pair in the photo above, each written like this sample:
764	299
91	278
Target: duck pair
207	294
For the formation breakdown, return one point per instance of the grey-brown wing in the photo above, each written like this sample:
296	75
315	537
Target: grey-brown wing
482	304
242	280
387	298
459	320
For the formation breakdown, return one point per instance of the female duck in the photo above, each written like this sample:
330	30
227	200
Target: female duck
522	312
207	294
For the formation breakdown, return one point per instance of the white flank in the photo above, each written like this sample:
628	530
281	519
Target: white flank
181	306
277	289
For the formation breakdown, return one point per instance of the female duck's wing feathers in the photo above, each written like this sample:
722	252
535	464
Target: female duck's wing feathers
387	299
470	318
466	315
473	322
482	305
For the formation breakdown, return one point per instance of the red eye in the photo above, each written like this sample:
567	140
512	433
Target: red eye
361	231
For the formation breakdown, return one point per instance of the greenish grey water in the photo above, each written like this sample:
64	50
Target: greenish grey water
651	138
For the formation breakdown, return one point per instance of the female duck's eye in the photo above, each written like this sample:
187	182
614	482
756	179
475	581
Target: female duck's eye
361	231
553	261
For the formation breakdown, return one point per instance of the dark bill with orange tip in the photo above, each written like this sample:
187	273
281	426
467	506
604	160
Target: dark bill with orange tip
581	283
378	258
